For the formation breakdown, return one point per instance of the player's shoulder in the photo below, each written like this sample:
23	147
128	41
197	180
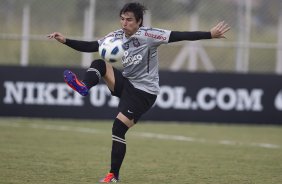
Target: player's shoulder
117	33
151	29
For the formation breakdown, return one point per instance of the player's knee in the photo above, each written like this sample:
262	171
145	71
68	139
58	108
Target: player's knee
100	65
119	128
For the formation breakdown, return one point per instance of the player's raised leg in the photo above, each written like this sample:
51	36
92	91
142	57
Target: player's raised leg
94	73
77	85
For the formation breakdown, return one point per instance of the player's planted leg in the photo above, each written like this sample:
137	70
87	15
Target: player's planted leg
110	178
118	151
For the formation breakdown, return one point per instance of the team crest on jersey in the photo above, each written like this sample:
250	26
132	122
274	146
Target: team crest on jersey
126	46
136	42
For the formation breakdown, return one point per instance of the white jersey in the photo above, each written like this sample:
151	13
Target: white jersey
140	60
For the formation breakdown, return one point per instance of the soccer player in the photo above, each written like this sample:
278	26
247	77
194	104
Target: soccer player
137	85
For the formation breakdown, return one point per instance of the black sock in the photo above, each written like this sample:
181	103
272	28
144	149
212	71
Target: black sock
96	71
118	146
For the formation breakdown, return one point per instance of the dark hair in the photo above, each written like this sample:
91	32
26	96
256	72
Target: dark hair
136	8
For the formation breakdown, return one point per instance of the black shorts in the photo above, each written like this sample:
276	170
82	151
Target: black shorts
133	102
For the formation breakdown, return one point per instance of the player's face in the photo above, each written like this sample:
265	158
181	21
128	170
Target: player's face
128	23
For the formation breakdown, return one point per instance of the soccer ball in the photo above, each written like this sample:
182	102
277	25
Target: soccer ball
111	49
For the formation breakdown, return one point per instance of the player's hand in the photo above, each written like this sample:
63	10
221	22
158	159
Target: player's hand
219	30
58	36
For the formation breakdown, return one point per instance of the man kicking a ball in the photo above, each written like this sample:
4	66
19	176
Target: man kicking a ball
137	85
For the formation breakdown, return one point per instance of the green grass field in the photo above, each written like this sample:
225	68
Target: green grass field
43	151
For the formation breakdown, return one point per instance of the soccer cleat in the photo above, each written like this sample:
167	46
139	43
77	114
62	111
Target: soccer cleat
71	79
110	178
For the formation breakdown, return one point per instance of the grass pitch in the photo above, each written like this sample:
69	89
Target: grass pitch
34	151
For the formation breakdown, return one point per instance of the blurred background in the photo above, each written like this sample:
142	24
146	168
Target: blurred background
254	44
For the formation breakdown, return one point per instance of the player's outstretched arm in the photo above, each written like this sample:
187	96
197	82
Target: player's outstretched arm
219	30
58	36
82	46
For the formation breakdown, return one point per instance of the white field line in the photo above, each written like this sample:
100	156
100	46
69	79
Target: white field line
138	134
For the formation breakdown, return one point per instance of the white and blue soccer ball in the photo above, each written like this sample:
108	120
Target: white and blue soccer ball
111	49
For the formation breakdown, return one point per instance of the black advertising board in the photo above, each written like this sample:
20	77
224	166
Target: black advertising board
204	97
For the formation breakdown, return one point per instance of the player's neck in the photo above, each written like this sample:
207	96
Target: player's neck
128	35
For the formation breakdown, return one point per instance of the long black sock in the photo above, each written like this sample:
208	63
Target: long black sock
96	71
118	146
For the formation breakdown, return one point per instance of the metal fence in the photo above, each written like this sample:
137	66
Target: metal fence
254	43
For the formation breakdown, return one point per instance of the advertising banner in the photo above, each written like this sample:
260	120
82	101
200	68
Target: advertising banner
203	97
